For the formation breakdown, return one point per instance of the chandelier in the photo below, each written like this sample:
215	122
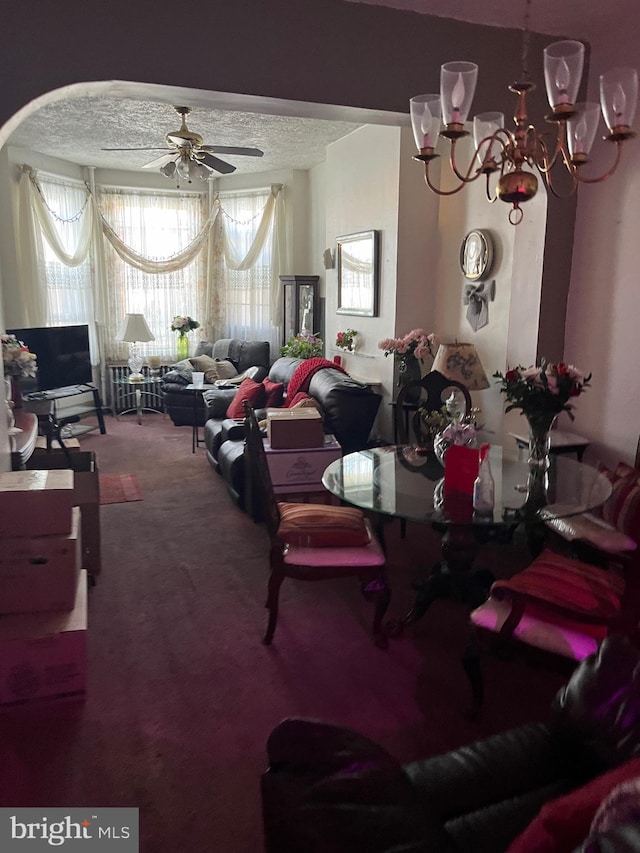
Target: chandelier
514	154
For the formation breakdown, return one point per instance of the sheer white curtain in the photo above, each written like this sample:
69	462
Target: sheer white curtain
157	226
112	251
248	292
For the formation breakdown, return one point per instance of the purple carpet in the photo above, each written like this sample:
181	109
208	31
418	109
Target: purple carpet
182	694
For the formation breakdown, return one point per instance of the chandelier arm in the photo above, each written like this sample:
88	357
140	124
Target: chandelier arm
490	198
549	184
434	188
606	174
464	178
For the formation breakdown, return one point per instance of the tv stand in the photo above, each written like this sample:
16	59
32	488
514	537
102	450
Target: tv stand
56	419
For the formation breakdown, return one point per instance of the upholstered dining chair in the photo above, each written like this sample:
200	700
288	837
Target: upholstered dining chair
313	541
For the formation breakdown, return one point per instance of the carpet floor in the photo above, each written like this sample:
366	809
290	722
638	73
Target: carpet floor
182	694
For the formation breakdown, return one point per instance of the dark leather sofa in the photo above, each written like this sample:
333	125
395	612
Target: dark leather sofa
251	358
329	789
348	410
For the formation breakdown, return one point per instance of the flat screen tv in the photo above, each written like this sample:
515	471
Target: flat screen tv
63	356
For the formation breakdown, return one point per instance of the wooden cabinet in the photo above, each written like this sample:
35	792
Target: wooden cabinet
300	308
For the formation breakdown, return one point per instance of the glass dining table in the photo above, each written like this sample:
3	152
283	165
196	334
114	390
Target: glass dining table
400	481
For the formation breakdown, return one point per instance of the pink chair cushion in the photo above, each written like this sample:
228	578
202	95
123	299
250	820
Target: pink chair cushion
370	554
535	632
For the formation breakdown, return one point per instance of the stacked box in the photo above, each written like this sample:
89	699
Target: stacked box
44	655
290	429
86	495
301	470
36	503
40	572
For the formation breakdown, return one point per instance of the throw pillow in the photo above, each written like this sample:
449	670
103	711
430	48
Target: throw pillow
558	588
563	823
248	390
226	369
303	401
321	526
274	393
621	806
206	365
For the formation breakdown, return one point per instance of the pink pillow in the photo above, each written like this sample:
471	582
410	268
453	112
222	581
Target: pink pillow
564	823
248	390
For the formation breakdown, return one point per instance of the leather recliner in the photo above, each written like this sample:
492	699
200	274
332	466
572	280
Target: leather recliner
328	788
348	411
251	358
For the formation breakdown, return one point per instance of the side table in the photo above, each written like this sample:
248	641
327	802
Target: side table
148	387
196	441
561	442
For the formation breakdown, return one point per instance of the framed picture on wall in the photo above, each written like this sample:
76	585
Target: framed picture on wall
358	273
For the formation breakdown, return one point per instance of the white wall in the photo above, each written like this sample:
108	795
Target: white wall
362	194
604	299
510	337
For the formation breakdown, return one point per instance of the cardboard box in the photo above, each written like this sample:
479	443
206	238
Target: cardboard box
35	503
290	429
40	573
301	470
86	495
44	655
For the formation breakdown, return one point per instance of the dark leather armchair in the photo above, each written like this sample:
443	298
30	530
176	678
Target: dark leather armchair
331	790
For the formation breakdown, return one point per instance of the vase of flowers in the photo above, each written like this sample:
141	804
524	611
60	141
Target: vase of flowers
410	352
18	363
347	340
542	393
183	324
303	346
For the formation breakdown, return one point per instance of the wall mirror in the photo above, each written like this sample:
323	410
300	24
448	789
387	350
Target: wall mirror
358	272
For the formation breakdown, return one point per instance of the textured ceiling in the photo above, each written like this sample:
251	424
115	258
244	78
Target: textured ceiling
76	130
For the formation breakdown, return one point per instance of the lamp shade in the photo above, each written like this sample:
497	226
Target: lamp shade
134	328
460	362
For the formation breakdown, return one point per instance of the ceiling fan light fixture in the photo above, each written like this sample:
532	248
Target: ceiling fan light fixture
168	170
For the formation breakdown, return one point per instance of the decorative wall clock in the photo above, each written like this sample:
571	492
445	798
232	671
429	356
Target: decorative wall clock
476	255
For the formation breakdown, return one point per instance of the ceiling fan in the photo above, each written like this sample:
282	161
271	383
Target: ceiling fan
188	157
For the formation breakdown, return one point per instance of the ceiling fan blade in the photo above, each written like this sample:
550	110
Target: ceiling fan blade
164	148
230	149
215	163
159	162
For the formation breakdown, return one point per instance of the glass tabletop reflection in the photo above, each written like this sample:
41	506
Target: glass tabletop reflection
399	482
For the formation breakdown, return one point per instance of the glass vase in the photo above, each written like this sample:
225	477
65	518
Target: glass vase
183	347
16	393
409	370
540	439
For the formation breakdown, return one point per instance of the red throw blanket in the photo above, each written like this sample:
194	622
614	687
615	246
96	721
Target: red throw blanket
302	375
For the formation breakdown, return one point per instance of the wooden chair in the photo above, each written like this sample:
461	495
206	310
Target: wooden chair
430	392
566	603
308	552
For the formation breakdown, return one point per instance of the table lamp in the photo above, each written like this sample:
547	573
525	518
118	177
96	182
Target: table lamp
460	362
132	330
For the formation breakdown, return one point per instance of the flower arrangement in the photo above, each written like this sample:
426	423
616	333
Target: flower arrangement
182	325
455	426
346	340
18	361
416	343
303	346
542	391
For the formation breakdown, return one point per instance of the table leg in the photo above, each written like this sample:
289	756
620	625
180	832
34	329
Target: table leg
139	405
194	431
453	577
